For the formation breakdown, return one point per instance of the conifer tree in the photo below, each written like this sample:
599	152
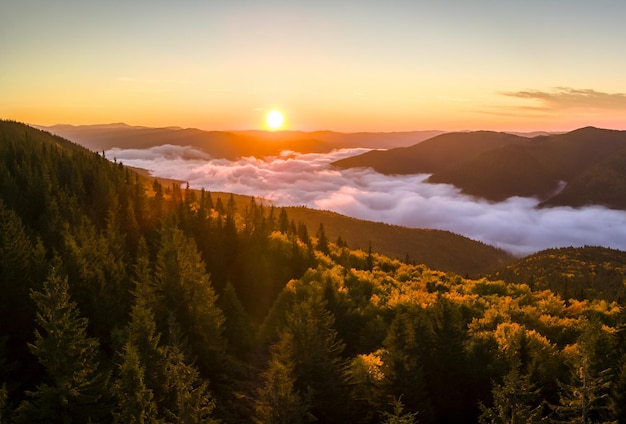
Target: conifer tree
447	372
585	397
303	234
617	403
135	403
188	399
310	342
231	206
514	401
21	268
403	365
283	221
143	338
322	241
74	385
209	201
369	261
186	291
279	402
219	206
365	380
237	329
398	416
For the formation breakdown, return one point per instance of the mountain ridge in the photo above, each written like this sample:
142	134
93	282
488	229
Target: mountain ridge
231	144
591	161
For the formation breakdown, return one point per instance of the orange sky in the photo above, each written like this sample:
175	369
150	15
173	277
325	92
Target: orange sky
344	66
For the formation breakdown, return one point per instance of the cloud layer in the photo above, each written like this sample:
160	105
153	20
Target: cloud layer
515	225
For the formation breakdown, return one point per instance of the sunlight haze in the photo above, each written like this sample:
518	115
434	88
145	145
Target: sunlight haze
348	66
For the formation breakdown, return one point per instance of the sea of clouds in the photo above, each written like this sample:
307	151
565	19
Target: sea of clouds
294	179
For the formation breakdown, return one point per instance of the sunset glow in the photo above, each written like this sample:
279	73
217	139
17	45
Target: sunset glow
360	67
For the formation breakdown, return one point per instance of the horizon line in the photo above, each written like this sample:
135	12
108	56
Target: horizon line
289	130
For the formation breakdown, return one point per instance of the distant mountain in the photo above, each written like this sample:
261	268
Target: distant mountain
431	155
583	273
230	144
369	140
590	163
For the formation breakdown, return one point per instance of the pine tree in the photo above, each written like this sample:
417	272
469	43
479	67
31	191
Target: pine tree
188	399
279	402
365	380
310	342
447	372
135	403
231	206
403	366
96	270
209	201
398	416
21	268
322	241
513	401
303	234
283	221
185	290
144	340
369	261
74	385
617	403
585	397
219	206
237	329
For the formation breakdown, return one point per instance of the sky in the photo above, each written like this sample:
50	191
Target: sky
515	224
347	66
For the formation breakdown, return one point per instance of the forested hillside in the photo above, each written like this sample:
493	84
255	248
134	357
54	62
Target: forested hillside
589	272
125	300
436	249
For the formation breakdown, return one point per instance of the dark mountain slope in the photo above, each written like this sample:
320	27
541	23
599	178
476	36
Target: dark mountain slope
512	170
436	249
570	153
582	273
603	183
590	161
433	154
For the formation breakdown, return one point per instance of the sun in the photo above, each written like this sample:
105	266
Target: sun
274	119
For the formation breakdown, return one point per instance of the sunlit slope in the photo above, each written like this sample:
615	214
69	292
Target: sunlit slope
588	272
436	249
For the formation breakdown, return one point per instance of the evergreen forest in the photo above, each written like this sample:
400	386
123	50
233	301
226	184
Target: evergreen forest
127	299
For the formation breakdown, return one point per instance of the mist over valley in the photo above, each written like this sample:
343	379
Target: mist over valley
519	224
